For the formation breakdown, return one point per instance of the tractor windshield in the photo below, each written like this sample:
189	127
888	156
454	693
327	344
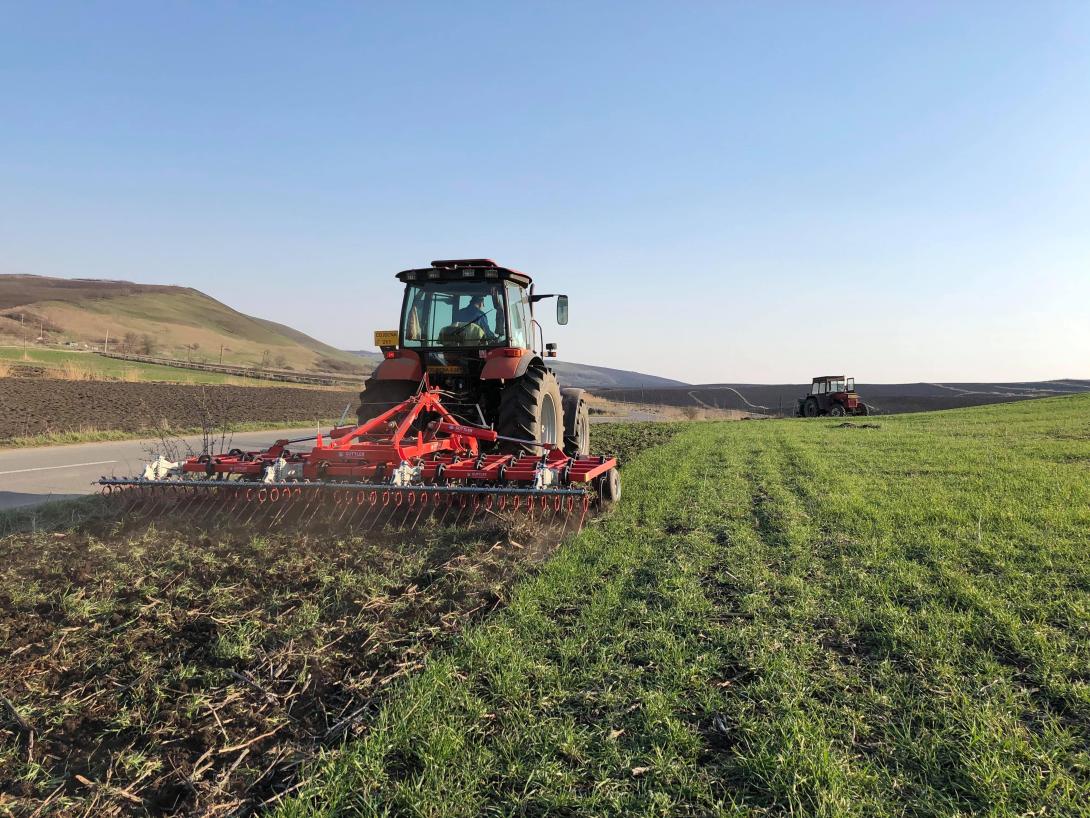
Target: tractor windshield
454	314
837	386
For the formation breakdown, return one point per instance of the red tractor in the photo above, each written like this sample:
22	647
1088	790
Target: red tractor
469	325
831	395
461	417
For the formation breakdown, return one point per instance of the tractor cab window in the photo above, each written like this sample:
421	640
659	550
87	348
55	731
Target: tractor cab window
818	388
519	302
851	384
837	386
454	314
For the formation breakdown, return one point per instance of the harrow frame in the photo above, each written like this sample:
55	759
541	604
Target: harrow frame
416	458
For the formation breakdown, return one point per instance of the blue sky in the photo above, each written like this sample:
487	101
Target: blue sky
729	192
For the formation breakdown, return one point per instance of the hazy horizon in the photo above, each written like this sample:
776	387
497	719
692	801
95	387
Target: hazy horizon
728	193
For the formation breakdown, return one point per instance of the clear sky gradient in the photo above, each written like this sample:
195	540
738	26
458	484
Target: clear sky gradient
750	192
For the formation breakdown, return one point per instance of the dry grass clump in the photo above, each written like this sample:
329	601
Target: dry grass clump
71	371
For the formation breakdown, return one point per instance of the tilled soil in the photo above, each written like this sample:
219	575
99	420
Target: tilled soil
32	406
170	672
173	669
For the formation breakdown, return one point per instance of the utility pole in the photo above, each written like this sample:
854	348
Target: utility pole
221	354
106	349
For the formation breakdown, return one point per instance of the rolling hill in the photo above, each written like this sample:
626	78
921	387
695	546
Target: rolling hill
166	321
586	376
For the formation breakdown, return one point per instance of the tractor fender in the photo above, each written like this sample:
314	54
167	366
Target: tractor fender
404	366
500	367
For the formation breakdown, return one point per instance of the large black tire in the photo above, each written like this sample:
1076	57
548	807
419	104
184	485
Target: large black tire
576	422
810	408
531	408
381	396
837	410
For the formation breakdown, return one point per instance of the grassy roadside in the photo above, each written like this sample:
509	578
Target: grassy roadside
87	365
90	366
788	617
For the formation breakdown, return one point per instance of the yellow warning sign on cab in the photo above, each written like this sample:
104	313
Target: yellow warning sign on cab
386	337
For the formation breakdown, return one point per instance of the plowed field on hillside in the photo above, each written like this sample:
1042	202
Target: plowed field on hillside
31	406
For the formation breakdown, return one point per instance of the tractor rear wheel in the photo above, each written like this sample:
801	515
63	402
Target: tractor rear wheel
531	409
837	410
810	408
382	396
576	422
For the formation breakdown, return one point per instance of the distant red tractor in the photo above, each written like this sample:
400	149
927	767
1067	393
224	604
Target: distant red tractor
832	395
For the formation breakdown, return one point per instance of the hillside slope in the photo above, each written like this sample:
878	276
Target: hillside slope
586	376
175	322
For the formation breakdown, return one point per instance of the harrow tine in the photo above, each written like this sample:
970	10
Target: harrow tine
311	503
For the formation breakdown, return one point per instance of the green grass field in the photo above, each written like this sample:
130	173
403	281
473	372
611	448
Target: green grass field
785	618
85	365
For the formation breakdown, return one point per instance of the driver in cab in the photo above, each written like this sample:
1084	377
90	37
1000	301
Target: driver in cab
475	314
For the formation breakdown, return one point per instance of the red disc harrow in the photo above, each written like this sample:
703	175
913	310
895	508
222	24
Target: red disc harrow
413	463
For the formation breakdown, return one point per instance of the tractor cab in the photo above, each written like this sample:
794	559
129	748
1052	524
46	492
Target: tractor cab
470	305
466	320
832	385
468	327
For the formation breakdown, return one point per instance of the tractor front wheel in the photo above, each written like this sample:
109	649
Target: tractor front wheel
810	408
531	408
837	410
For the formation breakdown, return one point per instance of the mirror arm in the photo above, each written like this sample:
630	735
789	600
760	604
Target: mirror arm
535	298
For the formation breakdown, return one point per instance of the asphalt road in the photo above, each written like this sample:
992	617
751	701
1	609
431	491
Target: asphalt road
31	476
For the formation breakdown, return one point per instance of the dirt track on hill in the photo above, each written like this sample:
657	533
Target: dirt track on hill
32	406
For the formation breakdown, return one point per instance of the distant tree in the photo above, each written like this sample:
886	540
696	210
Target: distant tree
129	342
280	361
147	345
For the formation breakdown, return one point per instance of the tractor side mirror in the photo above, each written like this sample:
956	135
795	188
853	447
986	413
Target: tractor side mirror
562	309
